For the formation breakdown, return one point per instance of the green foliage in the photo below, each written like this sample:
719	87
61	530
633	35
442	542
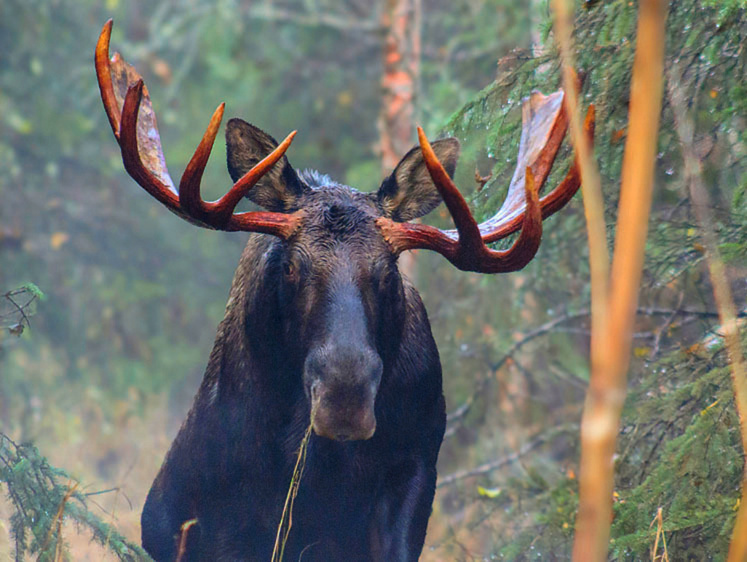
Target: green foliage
679	451
694	476
35	291
42	502
605	34
675	451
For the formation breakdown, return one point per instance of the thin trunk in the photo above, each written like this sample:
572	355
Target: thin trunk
683	125
613	308
400	20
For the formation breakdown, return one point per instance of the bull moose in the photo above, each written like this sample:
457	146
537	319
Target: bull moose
319	319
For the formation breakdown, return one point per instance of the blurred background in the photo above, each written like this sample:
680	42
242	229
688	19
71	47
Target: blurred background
110	303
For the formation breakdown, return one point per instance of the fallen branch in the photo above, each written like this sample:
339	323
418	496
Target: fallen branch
316	20
490	466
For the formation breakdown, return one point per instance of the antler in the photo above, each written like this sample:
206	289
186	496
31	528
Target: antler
133	122
544	125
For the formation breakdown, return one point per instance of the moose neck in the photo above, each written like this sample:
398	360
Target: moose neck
248	344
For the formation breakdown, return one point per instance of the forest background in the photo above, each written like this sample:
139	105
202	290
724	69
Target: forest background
100	369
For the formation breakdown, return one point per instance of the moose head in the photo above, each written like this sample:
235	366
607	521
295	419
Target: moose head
341	297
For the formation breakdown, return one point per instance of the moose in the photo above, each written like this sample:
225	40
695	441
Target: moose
320	329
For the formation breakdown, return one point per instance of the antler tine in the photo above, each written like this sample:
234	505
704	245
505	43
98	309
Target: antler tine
226	204
103	73
526	245
189	186
558	197
544	123
470	253
469	233
218	213
147	167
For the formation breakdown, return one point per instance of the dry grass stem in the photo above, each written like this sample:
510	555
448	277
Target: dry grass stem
613	319
112	519
286	518
659	520
56	524
183	532
701	205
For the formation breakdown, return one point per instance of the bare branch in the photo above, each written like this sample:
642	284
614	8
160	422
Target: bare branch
462	410
495	464
663	328
316	20
20	302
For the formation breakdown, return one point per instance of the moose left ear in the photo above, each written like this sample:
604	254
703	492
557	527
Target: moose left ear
246	145
409	192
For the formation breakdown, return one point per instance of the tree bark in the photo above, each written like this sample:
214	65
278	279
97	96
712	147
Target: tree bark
400	21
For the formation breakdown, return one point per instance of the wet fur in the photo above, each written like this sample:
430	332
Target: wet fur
230	465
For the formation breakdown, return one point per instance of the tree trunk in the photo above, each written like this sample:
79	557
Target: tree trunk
400	20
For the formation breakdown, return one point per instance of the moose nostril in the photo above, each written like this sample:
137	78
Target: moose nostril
343	437
314	391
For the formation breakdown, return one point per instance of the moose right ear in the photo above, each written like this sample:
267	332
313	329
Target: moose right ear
409	192
246	145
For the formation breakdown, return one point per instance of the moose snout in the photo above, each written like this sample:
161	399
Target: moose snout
342	386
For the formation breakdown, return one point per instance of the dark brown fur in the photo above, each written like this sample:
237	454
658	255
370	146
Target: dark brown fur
324	318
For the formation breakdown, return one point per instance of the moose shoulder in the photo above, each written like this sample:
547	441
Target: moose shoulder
320	328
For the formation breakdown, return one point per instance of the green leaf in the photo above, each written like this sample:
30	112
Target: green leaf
491	493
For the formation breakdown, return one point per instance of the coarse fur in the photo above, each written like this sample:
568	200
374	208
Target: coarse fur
323	320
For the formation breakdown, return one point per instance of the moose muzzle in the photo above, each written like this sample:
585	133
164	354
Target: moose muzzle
342	386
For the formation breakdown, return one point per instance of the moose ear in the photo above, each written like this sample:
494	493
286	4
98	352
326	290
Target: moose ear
409	192
246	145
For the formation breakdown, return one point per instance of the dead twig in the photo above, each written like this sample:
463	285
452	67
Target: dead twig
548	327
667	323
481	180
659	520
545	328
19	309
495	464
